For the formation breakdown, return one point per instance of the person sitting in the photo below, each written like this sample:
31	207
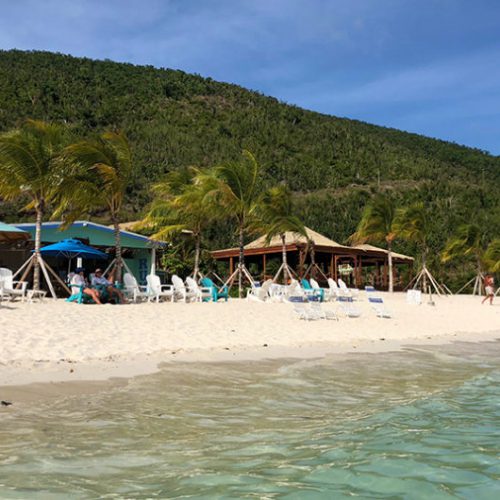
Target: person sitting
99	281
78	282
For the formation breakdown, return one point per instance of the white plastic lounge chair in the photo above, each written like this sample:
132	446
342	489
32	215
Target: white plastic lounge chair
348	308
294	292
323	313
304	312
157	291
260	293
326	291
132	290
180	290
378	306
334	291
277	293
11	288
348	292
200	293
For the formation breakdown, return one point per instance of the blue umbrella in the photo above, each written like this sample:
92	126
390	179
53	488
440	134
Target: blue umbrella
72	248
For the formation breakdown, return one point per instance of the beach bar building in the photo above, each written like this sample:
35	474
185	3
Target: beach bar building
357	265
138	251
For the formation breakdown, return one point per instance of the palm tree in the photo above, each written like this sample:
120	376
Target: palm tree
492	256
103	171
468	242
276	217
180	205
30	167
413	223
378	225
235	189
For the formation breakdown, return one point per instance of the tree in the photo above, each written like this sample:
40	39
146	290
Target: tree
492	256
414	223
235	188
30	167
377	224
103	171
469	242
180	205
276	217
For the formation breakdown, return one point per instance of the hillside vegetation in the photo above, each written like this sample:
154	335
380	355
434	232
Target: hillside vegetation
174	119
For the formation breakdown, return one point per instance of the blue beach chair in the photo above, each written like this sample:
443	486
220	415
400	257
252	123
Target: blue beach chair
217	293
312	293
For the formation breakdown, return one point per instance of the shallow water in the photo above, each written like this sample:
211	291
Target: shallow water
421	423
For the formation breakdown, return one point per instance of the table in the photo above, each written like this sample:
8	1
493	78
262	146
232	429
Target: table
31	295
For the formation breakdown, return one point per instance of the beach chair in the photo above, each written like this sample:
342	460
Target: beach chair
348	307
304	312
323	313
334	289
217	292
180	290
348	292
312	293
294	292
325	291
132	290
260	293
156	290
11	288
377	304
78	296
200	293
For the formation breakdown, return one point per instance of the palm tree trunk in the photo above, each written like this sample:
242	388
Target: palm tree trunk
118	251
241	264
38	240
424	266
197	243
285	264
389	261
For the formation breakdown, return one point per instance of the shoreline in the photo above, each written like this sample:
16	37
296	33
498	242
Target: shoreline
136	340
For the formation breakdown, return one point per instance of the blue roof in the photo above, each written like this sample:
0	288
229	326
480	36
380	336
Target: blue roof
29	226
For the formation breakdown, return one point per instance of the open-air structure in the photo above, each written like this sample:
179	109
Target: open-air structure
321	257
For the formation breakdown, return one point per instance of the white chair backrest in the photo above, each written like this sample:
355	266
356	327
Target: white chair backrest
314	283
129	281
154	283
6	278
177	282
342	285
332	284
191	283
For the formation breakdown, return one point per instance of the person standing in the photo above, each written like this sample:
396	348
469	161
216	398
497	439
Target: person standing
489	289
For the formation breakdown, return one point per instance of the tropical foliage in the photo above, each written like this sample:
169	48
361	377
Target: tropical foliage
101	172
333	166
377	225
31	170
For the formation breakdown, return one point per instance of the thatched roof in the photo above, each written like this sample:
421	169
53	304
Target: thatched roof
372	248
295	239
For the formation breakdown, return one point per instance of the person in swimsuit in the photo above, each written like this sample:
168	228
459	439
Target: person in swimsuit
489	289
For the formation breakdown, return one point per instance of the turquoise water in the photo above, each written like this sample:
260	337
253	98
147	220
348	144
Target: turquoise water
411	424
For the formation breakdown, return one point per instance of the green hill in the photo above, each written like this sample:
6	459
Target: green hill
175	119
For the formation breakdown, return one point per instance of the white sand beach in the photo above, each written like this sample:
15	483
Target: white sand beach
58	341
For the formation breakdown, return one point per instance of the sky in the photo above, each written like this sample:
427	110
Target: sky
425	66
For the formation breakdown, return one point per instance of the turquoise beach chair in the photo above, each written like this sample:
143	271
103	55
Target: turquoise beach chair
80	297
217	293
314	293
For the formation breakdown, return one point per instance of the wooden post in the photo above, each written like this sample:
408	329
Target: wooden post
331	265
231	266
264	266
360	271
335	268
385	274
